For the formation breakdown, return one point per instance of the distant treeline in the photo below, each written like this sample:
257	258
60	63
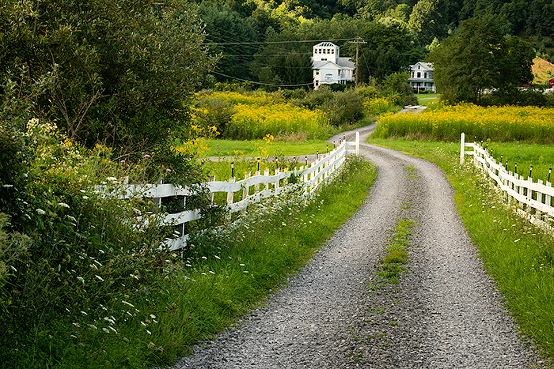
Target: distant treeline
271	41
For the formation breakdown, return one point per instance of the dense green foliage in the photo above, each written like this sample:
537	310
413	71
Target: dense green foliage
76	267
479	59
104	71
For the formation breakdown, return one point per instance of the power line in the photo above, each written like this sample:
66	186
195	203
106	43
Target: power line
260	83
275	42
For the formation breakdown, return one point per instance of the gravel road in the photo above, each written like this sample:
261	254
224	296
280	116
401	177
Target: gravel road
444	313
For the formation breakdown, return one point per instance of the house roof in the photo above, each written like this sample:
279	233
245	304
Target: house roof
345	62
325	44
342	64
424	65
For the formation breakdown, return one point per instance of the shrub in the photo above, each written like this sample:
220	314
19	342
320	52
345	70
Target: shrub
89	261
344	108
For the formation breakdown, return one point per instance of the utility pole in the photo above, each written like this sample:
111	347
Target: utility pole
357	41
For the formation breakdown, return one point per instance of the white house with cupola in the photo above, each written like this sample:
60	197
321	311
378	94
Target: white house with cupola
421	77
329	67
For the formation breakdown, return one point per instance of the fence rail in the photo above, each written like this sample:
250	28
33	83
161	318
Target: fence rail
251	189
533	198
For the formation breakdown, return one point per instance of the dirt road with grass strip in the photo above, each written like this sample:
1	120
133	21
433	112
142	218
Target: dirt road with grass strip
339	312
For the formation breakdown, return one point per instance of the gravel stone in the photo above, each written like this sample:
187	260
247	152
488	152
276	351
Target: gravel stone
444	313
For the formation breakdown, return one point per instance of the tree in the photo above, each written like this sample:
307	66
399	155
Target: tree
388	49
479	58
426	21
119	70
226	30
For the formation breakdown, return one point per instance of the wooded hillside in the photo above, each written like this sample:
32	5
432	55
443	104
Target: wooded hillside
271	41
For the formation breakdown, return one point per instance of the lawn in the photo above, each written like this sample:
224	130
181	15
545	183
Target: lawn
263	148
426	99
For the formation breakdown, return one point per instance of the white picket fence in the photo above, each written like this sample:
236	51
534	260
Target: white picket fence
252	188
534	198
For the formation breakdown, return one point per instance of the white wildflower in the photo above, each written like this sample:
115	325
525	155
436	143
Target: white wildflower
109	320
63	205
41	212
147	331
92	326
81	279
113	329
106	330
112	179
127	303
99	278
71	218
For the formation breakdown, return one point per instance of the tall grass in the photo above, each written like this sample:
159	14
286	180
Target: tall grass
255	121
519	256
247	116
443	122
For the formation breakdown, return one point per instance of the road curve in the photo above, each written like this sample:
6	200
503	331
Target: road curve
445	313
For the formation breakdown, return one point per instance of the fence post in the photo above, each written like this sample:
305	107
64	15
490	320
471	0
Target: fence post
257	186
211	195
357	142
246	188
276	182
266	173
230	195
462	148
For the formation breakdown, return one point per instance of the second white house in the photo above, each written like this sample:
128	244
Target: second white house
329	67
421	77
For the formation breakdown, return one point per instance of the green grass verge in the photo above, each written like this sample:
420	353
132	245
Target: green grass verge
517	255
427	99
260	148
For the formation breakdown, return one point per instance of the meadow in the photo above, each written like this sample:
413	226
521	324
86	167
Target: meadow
446	123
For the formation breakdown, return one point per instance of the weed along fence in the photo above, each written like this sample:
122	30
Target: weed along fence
533	198
240	194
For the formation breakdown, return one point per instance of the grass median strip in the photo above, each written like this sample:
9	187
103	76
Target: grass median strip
392	265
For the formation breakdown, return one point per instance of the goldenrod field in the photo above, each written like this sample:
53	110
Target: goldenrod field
258	114
446	123
255	121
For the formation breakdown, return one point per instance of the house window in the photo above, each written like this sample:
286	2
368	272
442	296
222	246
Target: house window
317	72
425	74
418	74
332	51
323	59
